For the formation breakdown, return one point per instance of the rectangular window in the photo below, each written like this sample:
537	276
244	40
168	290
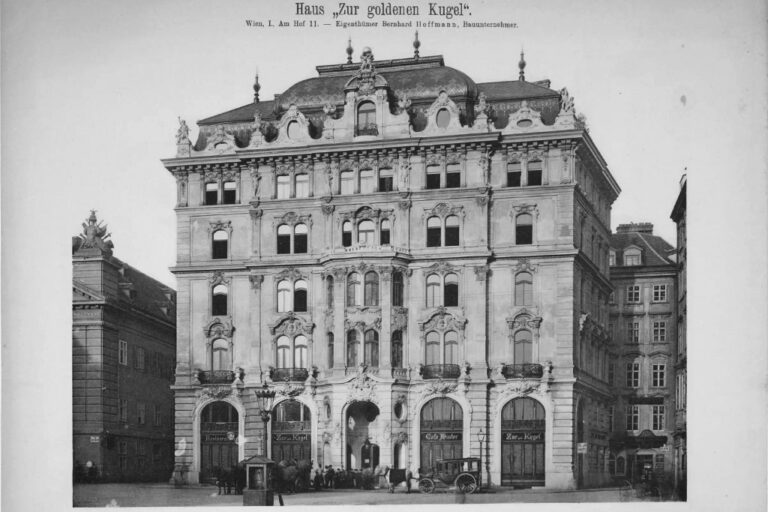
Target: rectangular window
631	260
633	294
158	416
633	417
659	293
366	182
347	183
433	178
122	352
140	355
386	181
513	174
230	192
211	193
283	187
123	450
534	174
611	412
633	332
453	177
611	370
384	236
302	185
659	375
658	418
123	410
141	413
451	235
612	259
141	453
659	332
633	375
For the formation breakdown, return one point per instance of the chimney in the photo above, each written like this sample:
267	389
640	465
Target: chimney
639	227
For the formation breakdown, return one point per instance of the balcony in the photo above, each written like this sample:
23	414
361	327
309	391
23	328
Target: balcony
216	376
366	129
289	374
440	371
522	371
400	373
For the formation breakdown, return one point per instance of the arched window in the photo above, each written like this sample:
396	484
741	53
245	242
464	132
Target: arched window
523	347
371	348
397	349
514	172
283	187
329	291
347	179
283	239
220	245
432	355
397	289
353	289
534	173
366	119
451	291
220	355
353	341
302	185
524	229
300	296
300	352
283	352
330	349
367	182
442	118
211	193
451	231
365	232
284	298
451	348
371	289
346	234
434	228
433	291
230	192
384	232
300	239
219	300
523	289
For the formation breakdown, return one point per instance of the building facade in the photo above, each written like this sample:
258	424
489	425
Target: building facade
123	354
643	324
417	263
681	367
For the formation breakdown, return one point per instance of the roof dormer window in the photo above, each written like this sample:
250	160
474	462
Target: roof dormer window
632	257
366	119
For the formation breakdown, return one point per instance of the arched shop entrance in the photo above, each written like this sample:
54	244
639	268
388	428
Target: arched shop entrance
291	431
522	443
361	421
218	440
442	424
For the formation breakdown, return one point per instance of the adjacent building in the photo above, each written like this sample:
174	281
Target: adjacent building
415	261
644	330
123	355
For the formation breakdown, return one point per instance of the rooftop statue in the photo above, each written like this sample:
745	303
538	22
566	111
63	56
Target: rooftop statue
95	235
566	100
182	135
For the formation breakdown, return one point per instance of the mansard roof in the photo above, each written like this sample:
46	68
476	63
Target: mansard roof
656	250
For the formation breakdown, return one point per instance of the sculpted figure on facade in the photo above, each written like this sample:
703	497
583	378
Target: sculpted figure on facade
95	235
182	135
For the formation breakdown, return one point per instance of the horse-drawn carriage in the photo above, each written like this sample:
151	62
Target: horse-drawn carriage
463	474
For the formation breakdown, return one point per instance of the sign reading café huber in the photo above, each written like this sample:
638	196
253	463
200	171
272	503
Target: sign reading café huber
440	436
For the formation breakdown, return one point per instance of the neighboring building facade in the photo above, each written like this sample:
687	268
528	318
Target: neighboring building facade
644	332
681	368
123	355
409	258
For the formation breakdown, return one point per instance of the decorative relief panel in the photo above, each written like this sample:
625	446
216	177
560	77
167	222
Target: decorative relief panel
291	219
220	225
292	324
441	320
442	210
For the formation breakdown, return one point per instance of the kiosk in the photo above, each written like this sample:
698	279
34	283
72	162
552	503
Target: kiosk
259	481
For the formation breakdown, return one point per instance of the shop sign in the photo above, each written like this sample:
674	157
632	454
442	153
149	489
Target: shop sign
290	437
95	439
440	436
523	436
581	447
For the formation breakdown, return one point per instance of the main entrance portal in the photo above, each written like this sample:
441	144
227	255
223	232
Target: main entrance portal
522	443
291	431
442	427
361	423
218	440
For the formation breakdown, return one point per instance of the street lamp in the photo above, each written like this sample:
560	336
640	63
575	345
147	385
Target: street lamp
266	398
481	438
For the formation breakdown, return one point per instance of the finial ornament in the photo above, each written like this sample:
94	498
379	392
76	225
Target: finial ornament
416	45
256	88
350	50
521	65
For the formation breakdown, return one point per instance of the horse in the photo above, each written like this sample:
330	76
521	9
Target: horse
396	477
293	475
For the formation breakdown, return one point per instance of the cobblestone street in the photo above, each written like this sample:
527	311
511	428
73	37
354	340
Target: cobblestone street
159	495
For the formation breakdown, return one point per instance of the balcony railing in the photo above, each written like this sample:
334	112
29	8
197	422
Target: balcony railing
216	376
400	373
440	371
289	374
520	371
367	129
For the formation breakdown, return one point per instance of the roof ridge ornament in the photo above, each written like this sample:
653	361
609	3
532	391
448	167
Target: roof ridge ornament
350	50
521	65
256	88
416	45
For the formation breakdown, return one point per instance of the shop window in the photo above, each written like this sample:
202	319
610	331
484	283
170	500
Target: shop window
283	187
524	229
346	234
386	180
347	179
451	291
302	185
534	173
434	229
397	289
365	233
219	300
283	239
514	173
211	193
230	192
220	245
371	348
433	177
366	182
523	347
523	289
443	118
353	341
384	232
300	296
452	231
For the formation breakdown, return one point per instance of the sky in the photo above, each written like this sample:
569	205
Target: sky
91	91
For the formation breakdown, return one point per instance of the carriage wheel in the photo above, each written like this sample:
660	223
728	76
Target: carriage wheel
426	485
466	483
